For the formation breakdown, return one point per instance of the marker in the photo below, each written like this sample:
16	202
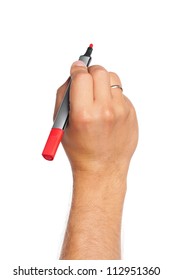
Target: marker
62	115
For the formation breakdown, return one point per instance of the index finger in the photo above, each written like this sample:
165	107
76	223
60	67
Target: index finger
81	90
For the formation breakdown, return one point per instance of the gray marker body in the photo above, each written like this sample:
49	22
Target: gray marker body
61	118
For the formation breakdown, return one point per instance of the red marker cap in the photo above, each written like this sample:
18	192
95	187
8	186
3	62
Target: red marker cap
52	143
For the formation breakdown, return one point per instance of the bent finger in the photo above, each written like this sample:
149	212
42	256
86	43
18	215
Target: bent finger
115	80
101	83
81	90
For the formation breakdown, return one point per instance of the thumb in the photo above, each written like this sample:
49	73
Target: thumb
78	66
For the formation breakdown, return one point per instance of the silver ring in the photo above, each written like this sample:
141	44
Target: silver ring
116	86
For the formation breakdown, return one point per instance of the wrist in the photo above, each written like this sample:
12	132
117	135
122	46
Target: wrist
95	189
94	227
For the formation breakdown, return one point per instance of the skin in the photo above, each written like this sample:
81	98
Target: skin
99	141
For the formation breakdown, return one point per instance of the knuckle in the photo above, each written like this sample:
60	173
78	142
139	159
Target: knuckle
114	76
99	71
81	118
108	115
132	112
121	112
131	108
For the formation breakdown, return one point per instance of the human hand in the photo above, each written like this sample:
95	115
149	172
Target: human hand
102	132
99	140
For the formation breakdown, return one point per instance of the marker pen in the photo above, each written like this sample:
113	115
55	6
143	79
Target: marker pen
62	115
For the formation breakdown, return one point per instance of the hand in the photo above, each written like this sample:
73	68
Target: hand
102	133
99	140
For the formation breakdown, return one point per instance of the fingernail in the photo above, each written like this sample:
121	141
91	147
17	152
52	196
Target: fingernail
78	63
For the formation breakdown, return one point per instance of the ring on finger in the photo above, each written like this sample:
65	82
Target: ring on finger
116	86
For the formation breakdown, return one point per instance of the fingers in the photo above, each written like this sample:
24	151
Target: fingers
81	91
101	83
122	103
115	80
77	67
88	86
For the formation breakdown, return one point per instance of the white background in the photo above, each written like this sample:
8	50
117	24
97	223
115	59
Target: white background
38	42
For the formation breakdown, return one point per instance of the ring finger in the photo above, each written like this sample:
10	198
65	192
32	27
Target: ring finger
116	86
